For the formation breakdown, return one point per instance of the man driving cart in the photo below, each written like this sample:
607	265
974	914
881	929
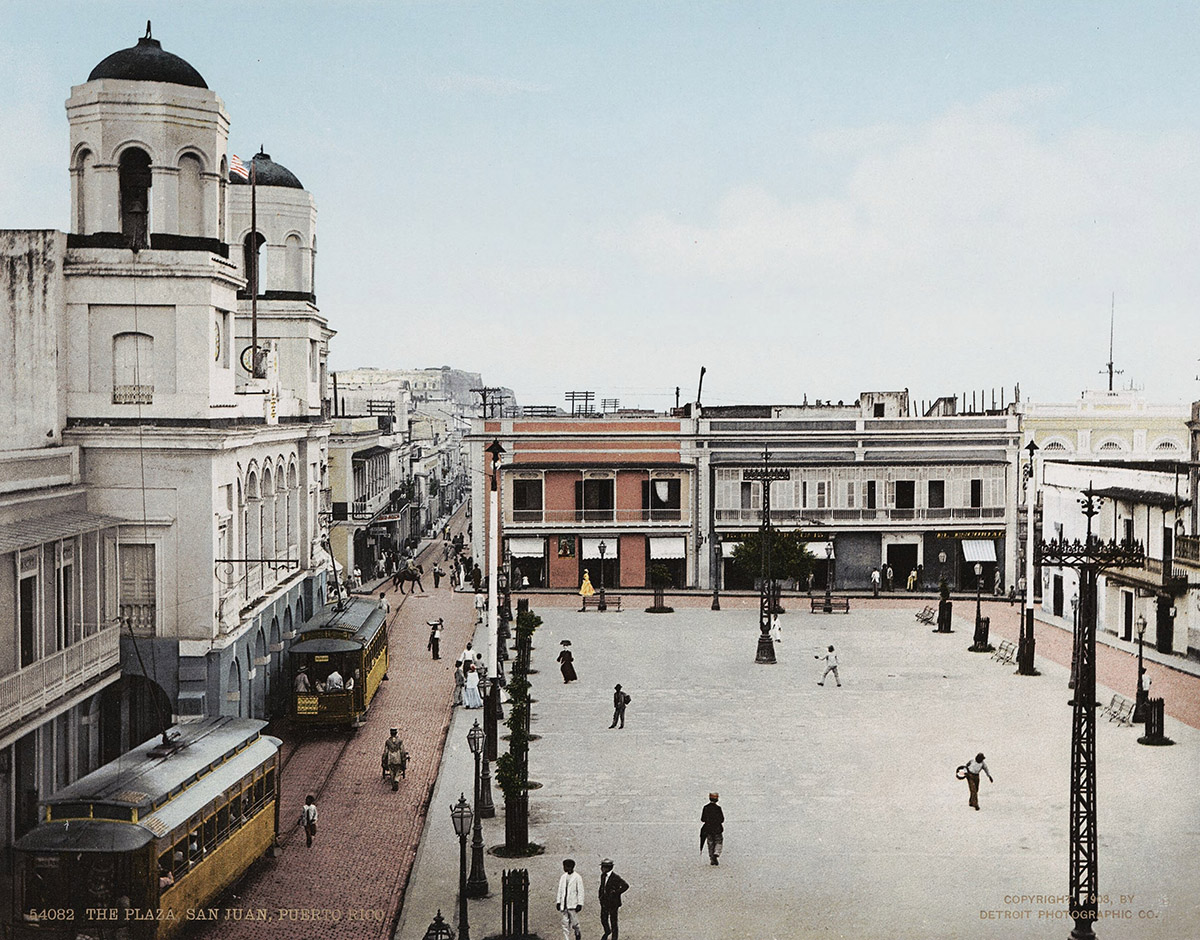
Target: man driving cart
395	759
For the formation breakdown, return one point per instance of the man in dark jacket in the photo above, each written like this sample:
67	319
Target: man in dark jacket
612	886
620	700
712	828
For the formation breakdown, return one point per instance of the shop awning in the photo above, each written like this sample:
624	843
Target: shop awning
728	548
591	547
668	547
978	550
525	547
818	550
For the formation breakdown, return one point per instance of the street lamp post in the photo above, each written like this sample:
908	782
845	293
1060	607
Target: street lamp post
494	450
602	605
1142	702
1027	645
768	595
716	575
487	809
460	815
477	884
828	576
980	644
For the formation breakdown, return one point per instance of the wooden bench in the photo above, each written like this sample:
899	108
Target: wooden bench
927	616
1120	710
829	605
610	600
1006	652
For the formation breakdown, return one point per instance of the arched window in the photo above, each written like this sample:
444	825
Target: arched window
133	369
134	173
84	168
1055	447
1166	445
268	520
252	263
233	690
294	252
191	195
1111	447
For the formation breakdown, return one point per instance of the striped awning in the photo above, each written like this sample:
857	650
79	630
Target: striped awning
60	525
979	550
526	547
728	548
591	547
668	547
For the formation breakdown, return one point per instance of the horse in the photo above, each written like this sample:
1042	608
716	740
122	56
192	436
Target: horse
412	574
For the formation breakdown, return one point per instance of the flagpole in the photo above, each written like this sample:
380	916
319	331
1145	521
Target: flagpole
254	370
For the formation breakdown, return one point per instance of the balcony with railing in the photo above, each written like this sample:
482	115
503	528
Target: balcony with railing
640	518
839	516
44	682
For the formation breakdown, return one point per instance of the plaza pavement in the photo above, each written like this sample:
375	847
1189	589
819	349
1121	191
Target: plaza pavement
843	816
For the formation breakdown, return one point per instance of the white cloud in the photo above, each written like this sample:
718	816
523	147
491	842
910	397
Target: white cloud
975	195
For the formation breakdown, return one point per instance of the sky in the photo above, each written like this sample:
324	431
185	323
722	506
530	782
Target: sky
807	199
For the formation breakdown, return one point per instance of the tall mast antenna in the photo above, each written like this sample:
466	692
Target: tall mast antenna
1112	318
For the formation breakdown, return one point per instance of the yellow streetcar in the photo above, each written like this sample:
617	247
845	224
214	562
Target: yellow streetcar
145	842
338	662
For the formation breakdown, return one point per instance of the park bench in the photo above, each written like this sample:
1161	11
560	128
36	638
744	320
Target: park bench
1120	710
610	600
829	605
928	615
1006	652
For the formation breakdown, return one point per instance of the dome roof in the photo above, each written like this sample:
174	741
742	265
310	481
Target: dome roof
147	62
269	173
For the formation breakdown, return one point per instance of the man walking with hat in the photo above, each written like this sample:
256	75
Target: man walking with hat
612	886
712	828
620	700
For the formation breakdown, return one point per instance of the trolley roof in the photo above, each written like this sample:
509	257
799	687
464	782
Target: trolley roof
148	774
357	621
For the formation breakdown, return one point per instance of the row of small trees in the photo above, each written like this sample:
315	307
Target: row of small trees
512	768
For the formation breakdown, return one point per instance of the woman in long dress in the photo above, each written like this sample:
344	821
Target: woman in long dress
567	662
471	696
586	589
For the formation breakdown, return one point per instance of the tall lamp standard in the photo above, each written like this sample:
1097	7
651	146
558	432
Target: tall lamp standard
477	884
495	449
460	815
1142	703
718	558
603	548
829	563
768	595
1027	645
487	809
978	593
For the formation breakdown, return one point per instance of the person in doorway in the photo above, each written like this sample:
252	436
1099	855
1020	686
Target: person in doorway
612	886
888	583
566	660
973	769
308	817
912	580
620	700
585	588
831	665
712	829
570	900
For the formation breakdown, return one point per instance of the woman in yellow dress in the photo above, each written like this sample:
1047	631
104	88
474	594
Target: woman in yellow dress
586	589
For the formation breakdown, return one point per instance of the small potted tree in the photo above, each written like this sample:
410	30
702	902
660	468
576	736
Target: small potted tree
660	580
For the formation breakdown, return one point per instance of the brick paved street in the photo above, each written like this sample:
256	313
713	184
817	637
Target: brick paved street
359	864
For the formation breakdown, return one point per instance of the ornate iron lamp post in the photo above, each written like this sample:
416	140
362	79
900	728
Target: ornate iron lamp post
439	929
718	558
477	884
1142	701
1027	645
1089	557
487	809
602	605
768	594
460	815
980	642
829	575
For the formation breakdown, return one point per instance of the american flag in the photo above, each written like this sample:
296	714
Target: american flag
237	166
